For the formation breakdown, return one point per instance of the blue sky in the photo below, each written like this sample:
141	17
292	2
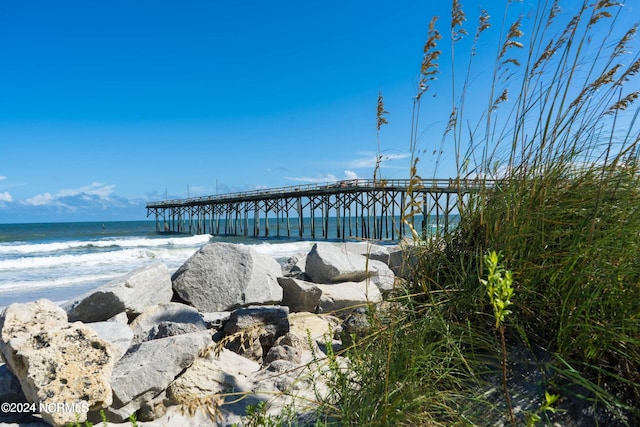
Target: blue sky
106	105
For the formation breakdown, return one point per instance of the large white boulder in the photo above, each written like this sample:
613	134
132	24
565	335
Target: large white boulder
369	250
347	296
131	293
330	263
147	370
299	295
224	276
383	277
118	335
57	363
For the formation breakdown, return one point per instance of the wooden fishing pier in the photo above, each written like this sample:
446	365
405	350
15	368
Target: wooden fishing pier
367	209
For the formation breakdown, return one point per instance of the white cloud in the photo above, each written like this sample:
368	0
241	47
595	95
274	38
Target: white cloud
103	191
368	160
350	175
363	162
93	194
39	200
198	191
2	177
316	179
259	187
387	157
5	197
95	201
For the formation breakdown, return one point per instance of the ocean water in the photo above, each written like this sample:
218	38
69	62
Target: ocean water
60	261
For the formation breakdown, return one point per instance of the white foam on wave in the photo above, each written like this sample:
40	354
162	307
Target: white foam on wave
283	249
86	260
30	248
171	256
56	282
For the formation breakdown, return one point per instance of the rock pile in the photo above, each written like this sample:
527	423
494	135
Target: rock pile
230	328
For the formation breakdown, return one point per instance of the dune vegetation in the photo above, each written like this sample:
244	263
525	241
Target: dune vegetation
528	312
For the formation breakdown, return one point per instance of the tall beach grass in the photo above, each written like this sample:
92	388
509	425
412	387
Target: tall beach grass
559	133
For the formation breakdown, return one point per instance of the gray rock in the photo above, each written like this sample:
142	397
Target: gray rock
11	392
211	375
256	329
294	265
119	318
146	370
294	347
56	362
351	261
131	294
346	296
224	276
171	329
119	336
168	319
383	277
299	295
153	409
286	382
226	373
216	320
402	259
310	333
283	352
10	389
355	325
317	327
329	263
369	250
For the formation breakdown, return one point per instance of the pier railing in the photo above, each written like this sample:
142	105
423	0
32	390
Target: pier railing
437	184
363	208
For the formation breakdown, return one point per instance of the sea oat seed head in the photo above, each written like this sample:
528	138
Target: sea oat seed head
514	32
457	19
630	72
429	67
483	21
598	13
453	119
624	103
381	112
548	52
483	24
622	44
555	10
504	96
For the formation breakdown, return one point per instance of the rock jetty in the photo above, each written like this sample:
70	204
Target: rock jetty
230	328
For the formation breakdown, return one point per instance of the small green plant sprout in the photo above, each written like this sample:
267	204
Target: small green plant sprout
499	286
547	406
133	420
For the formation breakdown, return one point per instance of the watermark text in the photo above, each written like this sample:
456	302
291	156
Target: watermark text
80	407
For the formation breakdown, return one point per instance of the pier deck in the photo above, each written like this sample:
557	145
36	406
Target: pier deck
368	209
